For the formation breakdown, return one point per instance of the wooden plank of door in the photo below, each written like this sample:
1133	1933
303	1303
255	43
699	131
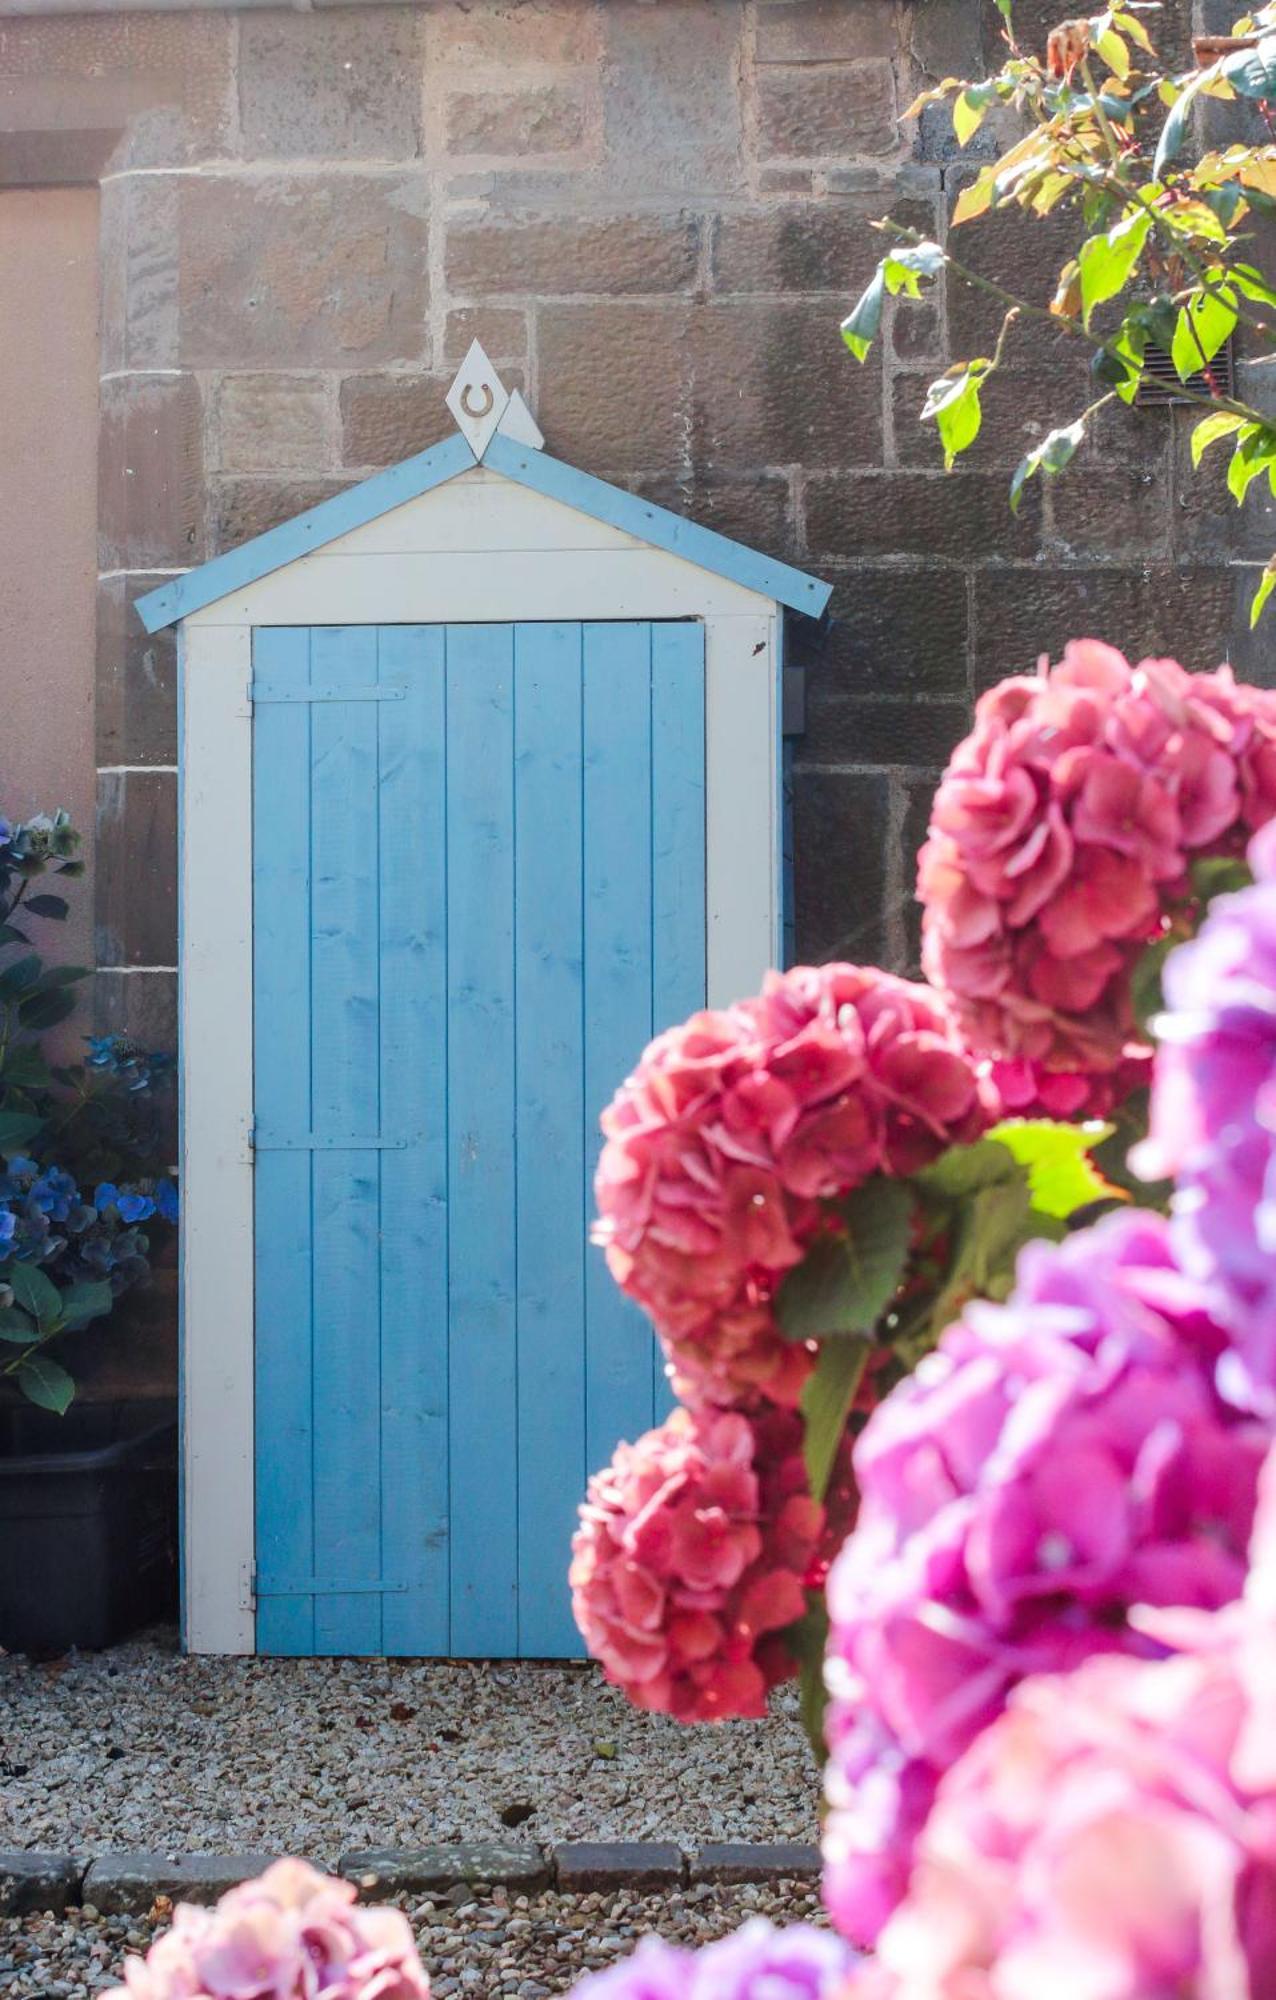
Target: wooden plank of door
414	1266
617	922
281	1188
677	848
482	1365
346	1100
551	1174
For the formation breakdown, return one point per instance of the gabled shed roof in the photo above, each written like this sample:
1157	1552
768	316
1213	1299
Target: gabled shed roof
525	466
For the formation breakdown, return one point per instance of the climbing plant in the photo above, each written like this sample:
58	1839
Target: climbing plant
1164	256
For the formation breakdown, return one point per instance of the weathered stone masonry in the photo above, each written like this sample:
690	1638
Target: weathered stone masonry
653	215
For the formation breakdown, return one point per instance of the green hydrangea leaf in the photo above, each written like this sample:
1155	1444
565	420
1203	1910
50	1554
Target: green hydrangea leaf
1062	1176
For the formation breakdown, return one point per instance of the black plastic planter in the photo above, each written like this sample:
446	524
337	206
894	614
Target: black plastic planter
88	1525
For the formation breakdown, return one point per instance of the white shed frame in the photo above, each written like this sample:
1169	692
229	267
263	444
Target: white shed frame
472	542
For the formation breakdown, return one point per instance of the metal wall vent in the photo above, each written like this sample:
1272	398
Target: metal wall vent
1161	384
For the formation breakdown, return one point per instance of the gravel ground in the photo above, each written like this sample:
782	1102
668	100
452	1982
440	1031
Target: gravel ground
141	1748
495	1947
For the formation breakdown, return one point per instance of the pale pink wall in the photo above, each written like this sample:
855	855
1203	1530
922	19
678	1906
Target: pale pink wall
48	525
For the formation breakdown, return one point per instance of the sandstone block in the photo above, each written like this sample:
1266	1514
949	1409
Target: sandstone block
810	114
149	472
271	423
323	270
135	900
536	256
340	85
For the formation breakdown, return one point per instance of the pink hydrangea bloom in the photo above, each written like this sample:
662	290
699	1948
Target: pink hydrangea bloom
1062	826
292	1934
695	1548
1113	1835
1058	1460
733	1129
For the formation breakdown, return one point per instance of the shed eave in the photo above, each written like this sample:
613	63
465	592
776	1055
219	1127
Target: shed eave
627	512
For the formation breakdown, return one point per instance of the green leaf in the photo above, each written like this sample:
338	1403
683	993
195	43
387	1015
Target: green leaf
971	108
16	978
863	323
1218	875
1003	8
16	1327
16	1127
1219	424
1202	326
86	1300
45	1010
1252	72
1146	997
827	1396
1112	1157
46	1383
1114	52
1107	262
1252	283
989	1229
978	198
1127	349
1130	25
25	1066
964	1170
37	1295
1051	455
1174	130
1266	585
1062	1177
10	934
806	1641
47	906
904	269
846	1280
1253	454
952	403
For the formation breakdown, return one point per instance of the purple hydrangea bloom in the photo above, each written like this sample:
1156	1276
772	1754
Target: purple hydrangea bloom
761	1961
764	1962
1059	1459
1213	1123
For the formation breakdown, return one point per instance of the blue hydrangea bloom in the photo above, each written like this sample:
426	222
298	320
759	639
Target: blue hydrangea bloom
131	1204
55	1193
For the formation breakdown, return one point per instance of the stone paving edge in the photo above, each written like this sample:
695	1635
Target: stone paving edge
119	1884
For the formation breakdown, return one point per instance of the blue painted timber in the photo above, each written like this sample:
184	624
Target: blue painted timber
479	883
537	471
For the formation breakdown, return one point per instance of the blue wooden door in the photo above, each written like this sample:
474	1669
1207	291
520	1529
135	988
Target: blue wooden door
479	884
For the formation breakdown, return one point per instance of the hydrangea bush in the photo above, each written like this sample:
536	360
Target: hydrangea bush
1111	1833
852	1198
292	1934
978	1440
734	1131
83	1190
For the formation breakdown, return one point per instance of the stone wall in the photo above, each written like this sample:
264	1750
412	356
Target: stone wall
654	216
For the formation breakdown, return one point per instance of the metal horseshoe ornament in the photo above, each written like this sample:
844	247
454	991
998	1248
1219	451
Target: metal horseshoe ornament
477	399
467	400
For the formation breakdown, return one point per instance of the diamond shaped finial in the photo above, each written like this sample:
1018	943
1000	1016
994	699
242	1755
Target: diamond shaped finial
519	424
477	399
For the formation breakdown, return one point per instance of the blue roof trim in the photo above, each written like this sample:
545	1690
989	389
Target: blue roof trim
311	530
658	526
534	469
